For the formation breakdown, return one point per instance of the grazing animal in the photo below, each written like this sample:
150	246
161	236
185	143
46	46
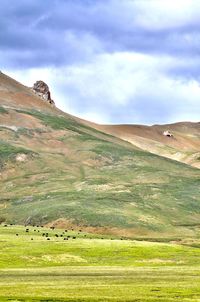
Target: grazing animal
56	235
17	234
74	237
65	238
48	238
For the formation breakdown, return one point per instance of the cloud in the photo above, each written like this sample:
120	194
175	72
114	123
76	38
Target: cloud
159	15
54	27
122	88
130	61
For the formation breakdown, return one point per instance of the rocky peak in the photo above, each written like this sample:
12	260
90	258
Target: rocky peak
42	90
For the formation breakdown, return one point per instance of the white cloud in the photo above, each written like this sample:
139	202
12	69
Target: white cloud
165	14
121	87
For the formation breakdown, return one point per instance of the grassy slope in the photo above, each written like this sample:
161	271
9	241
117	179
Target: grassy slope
94	269
184	146
93	179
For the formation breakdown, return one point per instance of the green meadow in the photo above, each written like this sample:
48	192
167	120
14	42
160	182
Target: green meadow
42	264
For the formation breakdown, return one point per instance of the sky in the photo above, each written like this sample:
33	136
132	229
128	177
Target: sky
108	61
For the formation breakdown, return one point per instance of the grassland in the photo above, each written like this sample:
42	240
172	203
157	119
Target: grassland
94	268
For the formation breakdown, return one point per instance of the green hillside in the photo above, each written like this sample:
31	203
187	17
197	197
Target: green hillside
58	170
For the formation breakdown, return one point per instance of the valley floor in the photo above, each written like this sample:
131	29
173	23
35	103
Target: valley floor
39	265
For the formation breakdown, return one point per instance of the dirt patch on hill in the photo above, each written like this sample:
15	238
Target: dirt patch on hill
63	223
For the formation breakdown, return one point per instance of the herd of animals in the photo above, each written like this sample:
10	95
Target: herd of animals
61	234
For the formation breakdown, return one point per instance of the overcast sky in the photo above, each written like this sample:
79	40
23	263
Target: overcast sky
109	61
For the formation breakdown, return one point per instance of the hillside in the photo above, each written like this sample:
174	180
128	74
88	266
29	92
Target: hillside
59	170
184	146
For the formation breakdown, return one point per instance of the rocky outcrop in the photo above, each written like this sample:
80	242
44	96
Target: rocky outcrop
42	90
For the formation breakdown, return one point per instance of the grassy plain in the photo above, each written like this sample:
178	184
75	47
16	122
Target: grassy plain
94	267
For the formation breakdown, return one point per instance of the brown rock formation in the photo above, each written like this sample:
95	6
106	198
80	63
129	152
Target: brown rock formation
42	90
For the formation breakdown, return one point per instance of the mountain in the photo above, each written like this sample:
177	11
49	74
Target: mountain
59	170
